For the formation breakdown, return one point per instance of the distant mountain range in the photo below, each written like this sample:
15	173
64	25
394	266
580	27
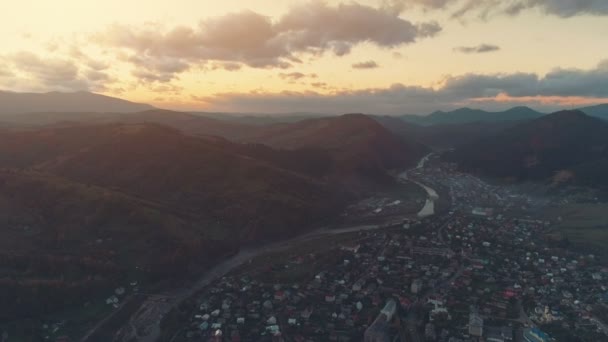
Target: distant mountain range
599	111
13	103
443	136
567	146
469	115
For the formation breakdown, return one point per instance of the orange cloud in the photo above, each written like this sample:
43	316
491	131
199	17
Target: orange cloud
561	101
255	40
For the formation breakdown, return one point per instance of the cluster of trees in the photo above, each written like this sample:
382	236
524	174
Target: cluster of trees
25	298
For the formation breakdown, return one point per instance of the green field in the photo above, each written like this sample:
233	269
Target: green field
585	225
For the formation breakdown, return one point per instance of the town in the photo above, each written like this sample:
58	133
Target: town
476	266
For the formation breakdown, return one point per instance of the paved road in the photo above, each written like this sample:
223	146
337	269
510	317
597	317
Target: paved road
144	325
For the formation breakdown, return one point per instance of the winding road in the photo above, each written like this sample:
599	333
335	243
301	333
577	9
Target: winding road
144	325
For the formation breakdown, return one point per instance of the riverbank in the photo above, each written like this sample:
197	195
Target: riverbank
432	195
145	324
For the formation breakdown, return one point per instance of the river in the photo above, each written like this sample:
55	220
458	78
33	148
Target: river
144	325
432	196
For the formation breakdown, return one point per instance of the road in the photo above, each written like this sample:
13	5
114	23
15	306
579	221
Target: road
144	325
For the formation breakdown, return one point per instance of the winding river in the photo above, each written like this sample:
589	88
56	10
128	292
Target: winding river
144	325
432	196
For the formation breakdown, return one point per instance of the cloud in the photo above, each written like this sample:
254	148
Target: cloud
366	65
321	85
249	38
48	71
162	69
317	27
30	72
294	76
228	66
4	71
398	55
398	6
484	8
483	48
560	85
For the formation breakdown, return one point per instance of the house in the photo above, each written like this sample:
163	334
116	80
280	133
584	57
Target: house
305	314
280	295
499	334
475	324
535	335
416	286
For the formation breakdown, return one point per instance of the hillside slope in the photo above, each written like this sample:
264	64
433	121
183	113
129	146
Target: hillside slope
557	144
469	115
444	136
95	204
360	148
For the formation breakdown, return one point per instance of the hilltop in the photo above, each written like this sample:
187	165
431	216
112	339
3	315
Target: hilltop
14	103
561	144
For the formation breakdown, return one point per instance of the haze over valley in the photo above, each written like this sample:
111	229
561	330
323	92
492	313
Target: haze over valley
369	170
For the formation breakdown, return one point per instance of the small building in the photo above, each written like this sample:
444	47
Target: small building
475	324
499	334
416	286
535	335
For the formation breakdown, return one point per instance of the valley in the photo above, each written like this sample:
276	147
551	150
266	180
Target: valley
496	256
304	171
137	216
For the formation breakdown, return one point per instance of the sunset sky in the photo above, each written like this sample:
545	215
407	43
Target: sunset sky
372	56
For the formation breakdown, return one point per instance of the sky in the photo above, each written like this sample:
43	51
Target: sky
275	56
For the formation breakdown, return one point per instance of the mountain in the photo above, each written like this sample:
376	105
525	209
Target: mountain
260	118
563	145
468	115
185	122
12	103
162	165
84	208
355	145
599	111
444	136
360	148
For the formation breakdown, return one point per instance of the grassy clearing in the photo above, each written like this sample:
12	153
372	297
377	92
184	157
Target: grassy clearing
582	224
73	323
318	246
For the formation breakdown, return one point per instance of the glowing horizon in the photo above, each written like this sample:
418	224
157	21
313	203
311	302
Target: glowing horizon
305	56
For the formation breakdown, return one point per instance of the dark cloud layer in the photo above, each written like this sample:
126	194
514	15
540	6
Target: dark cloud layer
483	48
252	39
399	98
295	76
560	8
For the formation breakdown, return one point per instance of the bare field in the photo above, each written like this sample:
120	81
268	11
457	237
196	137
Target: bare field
583	224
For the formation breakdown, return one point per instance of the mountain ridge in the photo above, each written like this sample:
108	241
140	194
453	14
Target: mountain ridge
539	149
82	101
